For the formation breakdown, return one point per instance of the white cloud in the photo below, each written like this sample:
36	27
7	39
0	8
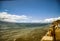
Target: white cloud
51	20
12	18
36	21
4	16
46	20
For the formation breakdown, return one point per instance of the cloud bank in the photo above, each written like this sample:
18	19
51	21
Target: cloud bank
46	20
4	16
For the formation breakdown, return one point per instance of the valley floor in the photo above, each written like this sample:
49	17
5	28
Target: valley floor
28	34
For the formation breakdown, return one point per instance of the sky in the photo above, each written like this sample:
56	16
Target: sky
30	10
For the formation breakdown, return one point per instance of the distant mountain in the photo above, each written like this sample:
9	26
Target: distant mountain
8	25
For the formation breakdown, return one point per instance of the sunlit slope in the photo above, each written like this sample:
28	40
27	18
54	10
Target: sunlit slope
58	34
30	34
53	33
22	31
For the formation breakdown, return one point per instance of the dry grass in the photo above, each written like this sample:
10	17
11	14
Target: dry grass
32	34
57	34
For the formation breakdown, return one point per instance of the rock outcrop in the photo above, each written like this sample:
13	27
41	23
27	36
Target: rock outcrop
53	33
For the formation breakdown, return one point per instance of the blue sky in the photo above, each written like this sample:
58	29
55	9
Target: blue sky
38	9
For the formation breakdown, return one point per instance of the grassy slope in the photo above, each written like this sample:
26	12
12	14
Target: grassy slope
22	32
30	34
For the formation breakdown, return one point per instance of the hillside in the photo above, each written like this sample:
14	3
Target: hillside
22	31
53	33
